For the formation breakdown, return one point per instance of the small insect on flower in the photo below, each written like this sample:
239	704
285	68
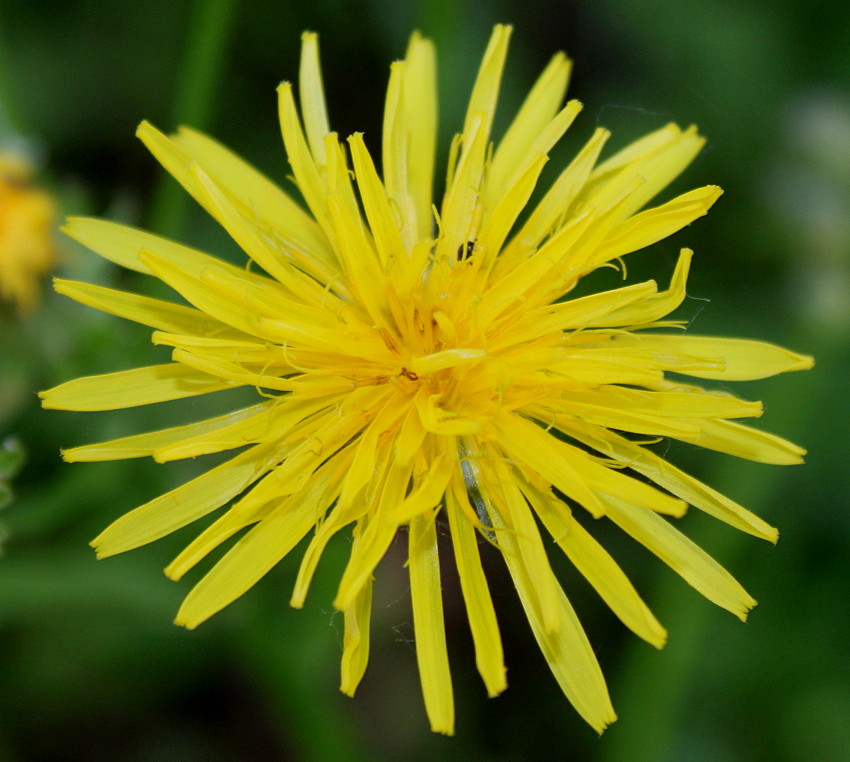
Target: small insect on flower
27	228
465	252
443	365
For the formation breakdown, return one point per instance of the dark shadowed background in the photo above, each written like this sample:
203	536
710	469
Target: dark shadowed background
91	667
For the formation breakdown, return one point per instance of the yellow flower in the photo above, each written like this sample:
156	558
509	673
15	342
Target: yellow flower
420	365
27	217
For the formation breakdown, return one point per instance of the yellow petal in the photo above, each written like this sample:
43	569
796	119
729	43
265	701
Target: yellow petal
540	106
676	481
355	642
458	213
746	442
185	504
500	483
273	420
489	657
658	157
131	388
256	192
597	567
655	306
420	114
593	310
567	651
303	164
395	148
156	313
141	445
256	553
485	92
256	243
312	94
575	473
551	213
689	561
654	225
388	241
222	529
429	629
743	359
510	204
430	487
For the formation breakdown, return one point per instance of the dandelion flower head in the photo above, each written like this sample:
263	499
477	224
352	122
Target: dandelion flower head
27	219
422	364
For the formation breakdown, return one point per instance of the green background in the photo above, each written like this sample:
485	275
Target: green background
91	667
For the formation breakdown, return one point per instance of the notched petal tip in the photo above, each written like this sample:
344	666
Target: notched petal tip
662	637
99	552
749	605
146	128
181	621
602	725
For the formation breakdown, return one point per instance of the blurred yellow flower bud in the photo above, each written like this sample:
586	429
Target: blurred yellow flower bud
27	218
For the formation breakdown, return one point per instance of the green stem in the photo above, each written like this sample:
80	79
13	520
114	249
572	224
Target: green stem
209	32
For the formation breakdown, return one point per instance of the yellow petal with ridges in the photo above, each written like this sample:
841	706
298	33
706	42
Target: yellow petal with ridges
682	555
551	213
511	505
307	175
568	652
592	310
656	306
251	240
121	244
185	504
355	642
395	148
388	243
420	115
255	554
540	106
743	359
676	481
458	214
596	566
656	224
257	193
645	146
746	442
312	94
489	656
131	388
485	92
156	313
272	421
142	445
576	474
510	204
221	530
426	595
658	165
